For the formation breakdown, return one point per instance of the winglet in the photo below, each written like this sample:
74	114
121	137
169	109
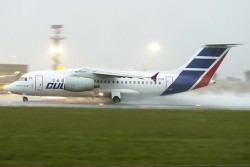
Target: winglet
154	76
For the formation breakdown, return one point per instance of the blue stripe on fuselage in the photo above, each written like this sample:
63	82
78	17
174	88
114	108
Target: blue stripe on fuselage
183	82
201	63
216	52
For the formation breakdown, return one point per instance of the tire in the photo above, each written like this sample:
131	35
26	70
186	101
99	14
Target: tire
116	99
25	99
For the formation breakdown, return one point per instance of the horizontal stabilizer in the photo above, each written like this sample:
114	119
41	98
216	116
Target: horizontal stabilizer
154	77
221	45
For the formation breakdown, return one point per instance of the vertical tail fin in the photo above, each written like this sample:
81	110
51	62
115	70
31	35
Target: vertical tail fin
200	69
212	55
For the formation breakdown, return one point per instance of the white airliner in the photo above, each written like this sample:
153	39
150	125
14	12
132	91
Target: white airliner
89	82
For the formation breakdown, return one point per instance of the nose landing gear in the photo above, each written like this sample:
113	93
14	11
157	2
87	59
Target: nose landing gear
25	99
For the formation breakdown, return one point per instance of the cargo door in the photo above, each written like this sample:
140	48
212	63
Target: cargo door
169	81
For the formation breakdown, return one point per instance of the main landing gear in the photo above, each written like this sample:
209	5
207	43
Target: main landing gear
25	99
116	97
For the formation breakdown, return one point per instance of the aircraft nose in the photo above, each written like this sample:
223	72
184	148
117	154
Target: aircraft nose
7	88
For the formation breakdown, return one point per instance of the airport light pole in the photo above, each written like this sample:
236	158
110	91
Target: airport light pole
56	48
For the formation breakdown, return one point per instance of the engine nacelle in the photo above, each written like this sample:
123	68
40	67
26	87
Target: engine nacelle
78	84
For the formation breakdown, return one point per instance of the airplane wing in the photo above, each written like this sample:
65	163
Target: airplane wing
110	73
118	74
124	74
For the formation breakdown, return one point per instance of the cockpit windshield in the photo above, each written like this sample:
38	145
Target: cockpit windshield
22	79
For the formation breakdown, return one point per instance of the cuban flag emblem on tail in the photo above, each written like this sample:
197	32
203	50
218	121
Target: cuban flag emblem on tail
200	69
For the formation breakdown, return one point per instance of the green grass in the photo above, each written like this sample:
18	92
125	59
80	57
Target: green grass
111	137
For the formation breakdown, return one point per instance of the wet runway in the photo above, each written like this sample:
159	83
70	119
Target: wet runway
188	100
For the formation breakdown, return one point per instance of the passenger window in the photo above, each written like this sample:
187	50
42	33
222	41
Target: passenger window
159	83
138	82
134	82
113	82
117	81
101	81
57	80
126	82
53	80
151	82
142	82
146	82
121	82
108	81
104	81
130	82
62	80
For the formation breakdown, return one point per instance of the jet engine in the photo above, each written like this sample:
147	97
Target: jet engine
78	84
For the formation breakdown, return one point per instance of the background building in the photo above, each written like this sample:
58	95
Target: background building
247	75
10	73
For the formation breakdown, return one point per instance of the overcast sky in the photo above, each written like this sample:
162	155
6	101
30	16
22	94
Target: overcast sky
115	34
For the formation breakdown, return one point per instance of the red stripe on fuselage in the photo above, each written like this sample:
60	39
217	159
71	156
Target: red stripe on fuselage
206	79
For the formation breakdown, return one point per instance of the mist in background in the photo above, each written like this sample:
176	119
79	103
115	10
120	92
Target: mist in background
190	100
119	35
116	34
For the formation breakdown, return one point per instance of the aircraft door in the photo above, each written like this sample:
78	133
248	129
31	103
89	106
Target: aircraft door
39	82
169	81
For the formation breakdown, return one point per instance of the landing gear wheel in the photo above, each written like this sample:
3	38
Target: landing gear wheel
25	99
116	99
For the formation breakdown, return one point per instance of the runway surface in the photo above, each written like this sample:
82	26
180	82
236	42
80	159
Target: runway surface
190	100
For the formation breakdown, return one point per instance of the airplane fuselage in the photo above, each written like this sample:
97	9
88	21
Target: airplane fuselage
51	83
88	82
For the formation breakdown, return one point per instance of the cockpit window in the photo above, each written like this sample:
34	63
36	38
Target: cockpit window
22	79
